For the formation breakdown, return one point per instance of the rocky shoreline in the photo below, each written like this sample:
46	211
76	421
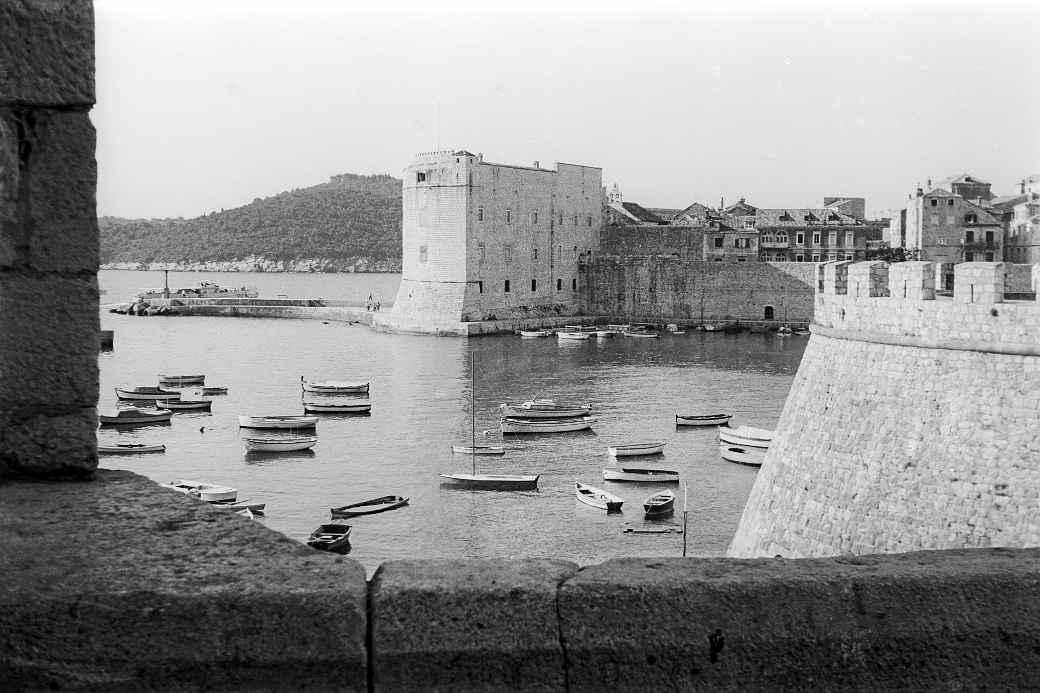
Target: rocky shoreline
263	264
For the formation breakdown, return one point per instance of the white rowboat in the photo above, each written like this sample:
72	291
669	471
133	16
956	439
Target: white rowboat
632	449
564	335
278	421
597	497
280	444
502	482
544	409
754	433
529	425
128	448
749	456
187	404
659	504
702	420
479	449
210	493
146	392
535	333
641	475
181	379
341	408
333	387
133	415
745	436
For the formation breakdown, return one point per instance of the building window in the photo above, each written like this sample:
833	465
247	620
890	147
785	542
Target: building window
420	177
575	251
850	239
831	257
561	218
559	252
534	285
941	240
935	203
422	253
832	238
574	284
480	249
509	216
781	237
816	238
989	237
741	259
742	243
969	236
507	286
800	239
718	242
848	256
507	253
799	258
989	257
815	258
949	202
969	257
559	285
575	220
480	287
588	220
971	219
718	259
480	214
534	218
534	253
749	223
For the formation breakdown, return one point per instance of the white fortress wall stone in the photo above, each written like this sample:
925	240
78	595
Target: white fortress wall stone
912	421
486	241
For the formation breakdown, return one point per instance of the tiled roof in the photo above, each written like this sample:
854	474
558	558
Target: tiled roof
797	217
641	213
960	178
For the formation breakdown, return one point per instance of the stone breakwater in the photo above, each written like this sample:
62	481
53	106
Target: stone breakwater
144	610
259	263
911	423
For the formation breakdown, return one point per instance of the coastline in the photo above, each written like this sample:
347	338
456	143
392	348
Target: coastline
264	266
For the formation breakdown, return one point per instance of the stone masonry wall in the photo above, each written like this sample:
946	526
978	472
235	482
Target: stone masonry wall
48	240
911	423
656	288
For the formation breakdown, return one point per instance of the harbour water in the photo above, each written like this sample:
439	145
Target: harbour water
420	395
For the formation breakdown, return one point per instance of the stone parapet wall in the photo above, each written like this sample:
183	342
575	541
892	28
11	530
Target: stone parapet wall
143	610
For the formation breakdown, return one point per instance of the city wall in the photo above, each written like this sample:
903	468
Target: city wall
111	583
911	423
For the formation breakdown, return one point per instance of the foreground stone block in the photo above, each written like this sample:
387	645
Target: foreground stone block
47	52
120	585
467	625
939	620
58	445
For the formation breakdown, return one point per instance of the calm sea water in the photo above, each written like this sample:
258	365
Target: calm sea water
420	394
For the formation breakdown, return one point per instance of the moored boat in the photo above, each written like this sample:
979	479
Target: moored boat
530	334
742	455
291	421
499	482
211	493
369	507
239	506
187	404
178	380
288	444
146	392
633	449
214	390
544	409
338	407
204	289
566	335
330	537
511	424
659	504
479	449
333	387
129	448
746	436
641	475
605	333
702	419
133	415
597	497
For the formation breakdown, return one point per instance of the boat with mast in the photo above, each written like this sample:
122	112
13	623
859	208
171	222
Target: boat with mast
504	482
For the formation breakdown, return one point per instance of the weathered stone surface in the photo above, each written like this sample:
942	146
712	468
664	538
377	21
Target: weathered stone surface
940	621
119	585
54	445
47	52
467	625
48	220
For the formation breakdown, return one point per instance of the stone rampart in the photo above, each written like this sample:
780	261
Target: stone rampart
911	423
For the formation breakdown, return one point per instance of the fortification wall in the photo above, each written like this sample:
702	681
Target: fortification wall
658	288
911	423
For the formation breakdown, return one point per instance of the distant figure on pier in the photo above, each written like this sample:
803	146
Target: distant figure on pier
377	306
369	303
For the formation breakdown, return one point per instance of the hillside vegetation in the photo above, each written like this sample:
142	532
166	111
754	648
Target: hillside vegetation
351	223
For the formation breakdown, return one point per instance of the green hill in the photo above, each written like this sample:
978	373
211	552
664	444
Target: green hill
351	223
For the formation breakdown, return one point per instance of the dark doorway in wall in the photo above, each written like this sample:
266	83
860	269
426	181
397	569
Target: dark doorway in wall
768	313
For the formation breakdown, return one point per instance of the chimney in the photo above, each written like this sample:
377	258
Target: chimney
1022	184
480	156
929	183
536	164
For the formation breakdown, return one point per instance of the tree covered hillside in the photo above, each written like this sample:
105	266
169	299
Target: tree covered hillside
349	218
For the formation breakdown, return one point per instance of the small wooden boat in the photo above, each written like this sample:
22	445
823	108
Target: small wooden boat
784	331
713	327
642	334
641	475
330	537
801	331
597	497
214	390
338	407
333	387
370	507
743	455
746	436
512	424
239	506
133	415
479	449
280	444
246	513
605	333
529	334
146	392
702	419
500	482
544	409
659	504
129	448
566	335
633	449
187	404
178	380
291	421
203	491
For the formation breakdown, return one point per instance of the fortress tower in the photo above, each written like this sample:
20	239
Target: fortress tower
485	241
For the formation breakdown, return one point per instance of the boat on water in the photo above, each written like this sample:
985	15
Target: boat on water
214	391
479	449
333	387
702	419
133	415
358	407
605	333
660	504
202	290
544	409
186	404
178	380
633	449
288	444
802	331
129	448
597	497
531	334
713	327
146	392
641	475
746	436
289	421
239	506
330	537
572	335
370	507
743	455
784	331
210	493
515	424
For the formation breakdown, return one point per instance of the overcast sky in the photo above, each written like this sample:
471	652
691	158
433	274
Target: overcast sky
204	105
